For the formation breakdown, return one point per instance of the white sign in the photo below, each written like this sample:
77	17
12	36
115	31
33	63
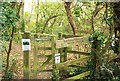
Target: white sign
57	58
26	44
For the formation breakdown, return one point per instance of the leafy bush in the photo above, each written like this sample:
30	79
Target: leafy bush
10	73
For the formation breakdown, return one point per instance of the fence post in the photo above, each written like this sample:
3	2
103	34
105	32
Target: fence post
61	49
26	35
35	65
55	73
65	54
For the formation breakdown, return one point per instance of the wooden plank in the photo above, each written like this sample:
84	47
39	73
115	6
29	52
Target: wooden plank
41	39
77	66
67	42
69	36
80	76
47	70
44	48
43	56
47	61
78	52
39	34
60	44
71	62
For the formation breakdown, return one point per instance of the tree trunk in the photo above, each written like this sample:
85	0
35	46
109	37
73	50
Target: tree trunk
70	17
22	18
117	26
9	50
37	29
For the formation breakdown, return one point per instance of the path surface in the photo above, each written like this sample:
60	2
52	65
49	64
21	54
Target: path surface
18	54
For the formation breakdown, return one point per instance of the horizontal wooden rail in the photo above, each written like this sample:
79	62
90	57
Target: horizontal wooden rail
77	66
43	56
44	48
79	76
77	52
49	63
39	34
47	70
41	39
67	42
71	62
69	36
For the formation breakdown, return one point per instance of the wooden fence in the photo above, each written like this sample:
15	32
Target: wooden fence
62	45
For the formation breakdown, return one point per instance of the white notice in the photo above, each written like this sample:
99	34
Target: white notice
26	44
57	58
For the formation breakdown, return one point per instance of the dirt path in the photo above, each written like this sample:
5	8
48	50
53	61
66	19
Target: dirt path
18	54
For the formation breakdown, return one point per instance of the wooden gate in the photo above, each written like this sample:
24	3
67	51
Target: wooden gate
43	56
67	46
45	47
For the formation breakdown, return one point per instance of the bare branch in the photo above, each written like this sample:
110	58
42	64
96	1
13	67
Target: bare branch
51	17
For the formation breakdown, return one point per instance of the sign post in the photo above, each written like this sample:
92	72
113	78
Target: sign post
26	49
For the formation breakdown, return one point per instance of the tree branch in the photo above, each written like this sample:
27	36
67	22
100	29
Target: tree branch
70	17
95	12
43	30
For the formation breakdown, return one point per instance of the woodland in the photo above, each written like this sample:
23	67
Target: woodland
100	21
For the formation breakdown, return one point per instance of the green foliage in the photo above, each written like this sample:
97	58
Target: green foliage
8	76
11	71
8	19
96	61
107	70
76	12
8	15
99	35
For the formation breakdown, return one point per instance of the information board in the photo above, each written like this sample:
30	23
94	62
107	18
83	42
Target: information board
26	45
57	58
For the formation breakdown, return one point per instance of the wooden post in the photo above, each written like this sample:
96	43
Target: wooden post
0	61
35	65
61	49
65	54
61	54
26	35
55	73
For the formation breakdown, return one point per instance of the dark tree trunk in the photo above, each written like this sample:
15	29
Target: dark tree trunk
70	17
116	8
9	50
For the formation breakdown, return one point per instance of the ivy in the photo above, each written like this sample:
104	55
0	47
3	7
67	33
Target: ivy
8	19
